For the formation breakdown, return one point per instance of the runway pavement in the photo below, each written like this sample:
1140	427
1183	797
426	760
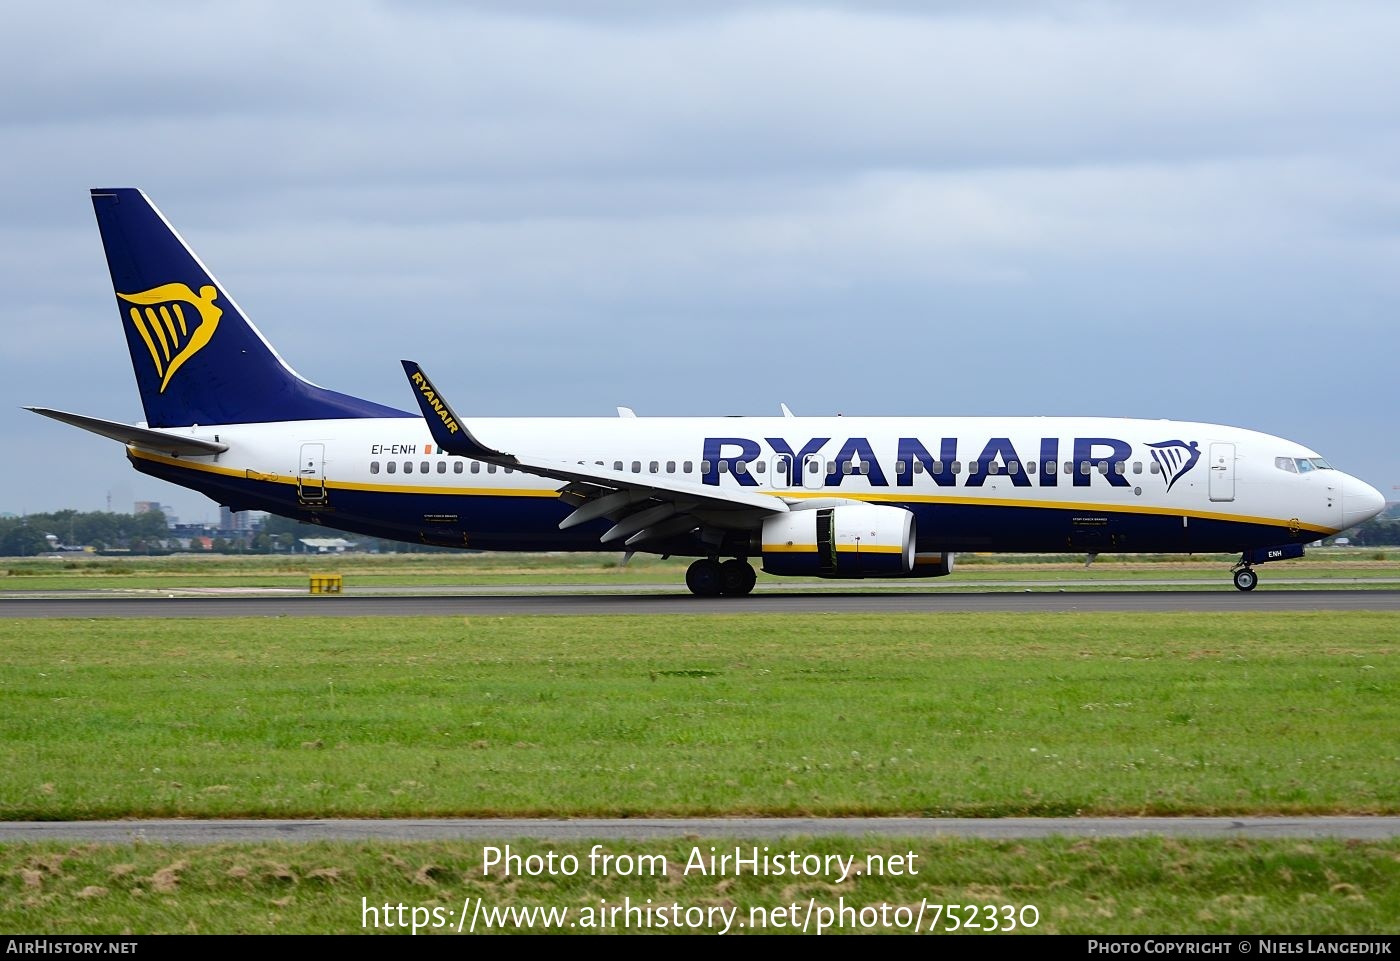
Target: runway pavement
95	604
641	829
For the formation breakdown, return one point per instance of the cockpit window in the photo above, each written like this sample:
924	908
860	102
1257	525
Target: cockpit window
1301	465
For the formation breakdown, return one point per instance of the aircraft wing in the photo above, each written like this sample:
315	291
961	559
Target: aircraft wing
154	440
645	507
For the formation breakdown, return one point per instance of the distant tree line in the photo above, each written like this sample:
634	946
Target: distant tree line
27	536
1384	531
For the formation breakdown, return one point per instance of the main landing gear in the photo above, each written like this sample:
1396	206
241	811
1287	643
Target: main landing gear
710	578
1245	578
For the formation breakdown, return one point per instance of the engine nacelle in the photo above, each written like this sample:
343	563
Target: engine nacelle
851	540
933	564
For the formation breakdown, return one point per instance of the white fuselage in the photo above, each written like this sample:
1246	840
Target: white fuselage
1017	483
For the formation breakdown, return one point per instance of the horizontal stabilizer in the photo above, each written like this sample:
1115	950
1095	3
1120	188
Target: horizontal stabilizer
154	440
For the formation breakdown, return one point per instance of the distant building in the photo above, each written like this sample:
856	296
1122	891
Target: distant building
143	507
328	545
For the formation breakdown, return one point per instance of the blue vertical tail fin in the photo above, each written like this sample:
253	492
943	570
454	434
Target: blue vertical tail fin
198	359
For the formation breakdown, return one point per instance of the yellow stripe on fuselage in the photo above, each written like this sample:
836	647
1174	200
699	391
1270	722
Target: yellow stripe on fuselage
840	548
903	498
865	496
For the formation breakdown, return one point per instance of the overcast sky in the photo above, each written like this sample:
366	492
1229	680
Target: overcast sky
1182	210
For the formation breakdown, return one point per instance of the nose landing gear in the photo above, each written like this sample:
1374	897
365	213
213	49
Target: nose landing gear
1245	578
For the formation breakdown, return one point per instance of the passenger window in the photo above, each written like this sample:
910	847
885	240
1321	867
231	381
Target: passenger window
686	468
1085	467
704	467
655	467
670	467
1155	468
1069	467
490	468
937	467
899	467
617	465
973	467
830	468
456	467
636	467
442	467
374	467
1030	467
391	466
1120	467
741	467
1137	467
760	467
1103	467
957	467
1051	466
865	467
724	467
919	467
423	467
847	467
1013	467
508	469
476	467
408	467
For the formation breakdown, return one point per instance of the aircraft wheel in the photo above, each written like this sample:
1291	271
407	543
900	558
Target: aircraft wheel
1246	579
704	578
736	578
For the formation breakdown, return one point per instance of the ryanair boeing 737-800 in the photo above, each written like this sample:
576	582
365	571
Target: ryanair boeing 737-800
841	497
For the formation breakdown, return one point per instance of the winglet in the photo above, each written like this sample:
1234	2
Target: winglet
448	431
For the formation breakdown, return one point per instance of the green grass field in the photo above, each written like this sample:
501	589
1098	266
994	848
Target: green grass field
973	715
1123	886
931	715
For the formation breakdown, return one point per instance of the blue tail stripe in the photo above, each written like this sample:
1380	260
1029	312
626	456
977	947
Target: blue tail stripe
218	369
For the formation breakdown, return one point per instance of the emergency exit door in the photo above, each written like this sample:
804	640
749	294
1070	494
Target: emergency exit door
1222	472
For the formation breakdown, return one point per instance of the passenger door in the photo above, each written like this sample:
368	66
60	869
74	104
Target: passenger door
1222	472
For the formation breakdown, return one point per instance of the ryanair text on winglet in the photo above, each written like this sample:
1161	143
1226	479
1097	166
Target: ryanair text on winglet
431	396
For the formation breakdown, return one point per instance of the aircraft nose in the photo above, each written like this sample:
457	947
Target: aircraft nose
1360	502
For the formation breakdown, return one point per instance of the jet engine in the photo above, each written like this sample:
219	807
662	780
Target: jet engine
850	540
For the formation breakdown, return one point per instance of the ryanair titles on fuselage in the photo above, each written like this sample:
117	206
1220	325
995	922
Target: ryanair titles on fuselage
721	454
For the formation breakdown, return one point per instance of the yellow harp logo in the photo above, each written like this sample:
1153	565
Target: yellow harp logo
160	319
